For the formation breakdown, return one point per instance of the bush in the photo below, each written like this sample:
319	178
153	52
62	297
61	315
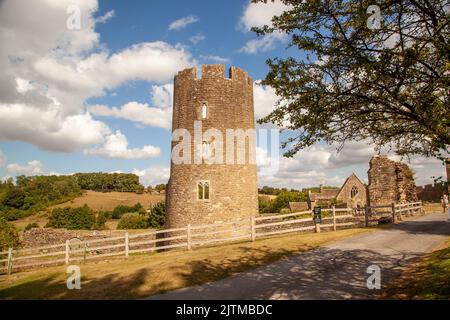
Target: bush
30	226
100	220
9	236
81	218
14	198
140	190
280	202
133	221
264	204
157	215
120	210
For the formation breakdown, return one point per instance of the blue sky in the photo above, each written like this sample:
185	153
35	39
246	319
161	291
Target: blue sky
98	97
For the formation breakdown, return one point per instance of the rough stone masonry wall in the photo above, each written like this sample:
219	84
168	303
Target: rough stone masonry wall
233	187
390	181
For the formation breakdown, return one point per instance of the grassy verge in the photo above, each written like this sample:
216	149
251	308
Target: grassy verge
145	275
429	279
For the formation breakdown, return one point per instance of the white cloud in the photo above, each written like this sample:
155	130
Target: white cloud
183	22
265	99
162	96
258	15
141	113
262	44
217	59
197	38
104	18
323	164
32	168
49	128
137	112
49	71
153	175
116	147
151	61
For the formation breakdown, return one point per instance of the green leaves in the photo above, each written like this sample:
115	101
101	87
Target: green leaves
81	218
388	84
9	235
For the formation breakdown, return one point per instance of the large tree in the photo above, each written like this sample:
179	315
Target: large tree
380	73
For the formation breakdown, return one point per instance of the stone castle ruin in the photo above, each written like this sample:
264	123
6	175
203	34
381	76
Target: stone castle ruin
390	181
200	192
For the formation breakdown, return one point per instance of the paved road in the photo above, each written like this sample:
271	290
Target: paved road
335	271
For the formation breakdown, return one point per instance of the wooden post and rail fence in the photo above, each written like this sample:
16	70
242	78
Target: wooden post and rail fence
193	236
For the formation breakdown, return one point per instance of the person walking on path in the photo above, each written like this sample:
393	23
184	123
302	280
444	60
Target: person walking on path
445	206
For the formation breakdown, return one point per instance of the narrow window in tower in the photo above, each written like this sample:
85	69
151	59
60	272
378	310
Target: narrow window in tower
204	111
206	190
203	190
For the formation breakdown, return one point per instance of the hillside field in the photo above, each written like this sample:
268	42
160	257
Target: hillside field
98	201
107	201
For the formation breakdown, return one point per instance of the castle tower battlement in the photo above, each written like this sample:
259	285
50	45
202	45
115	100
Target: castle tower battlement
203	193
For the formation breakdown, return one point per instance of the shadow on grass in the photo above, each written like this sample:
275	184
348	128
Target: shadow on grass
319	274
325	273
111	286
145	281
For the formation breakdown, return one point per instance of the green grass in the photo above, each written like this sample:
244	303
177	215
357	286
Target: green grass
148	274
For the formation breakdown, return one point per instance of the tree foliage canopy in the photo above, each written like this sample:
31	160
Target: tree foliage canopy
99	181
385	80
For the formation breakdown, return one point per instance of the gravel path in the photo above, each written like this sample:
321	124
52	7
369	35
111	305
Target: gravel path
337	270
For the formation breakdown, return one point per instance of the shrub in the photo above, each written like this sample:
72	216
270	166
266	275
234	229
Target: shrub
30	226
157	215
133	221
72	218
266	205
14	198
121	209
140	189
283	199
9	236
100	220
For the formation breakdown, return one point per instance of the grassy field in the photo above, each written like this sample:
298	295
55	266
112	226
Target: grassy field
98	201
429	279
107	201
144	275
432	207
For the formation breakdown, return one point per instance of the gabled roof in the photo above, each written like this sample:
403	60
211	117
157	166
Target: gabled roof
298	206
325	194
331	194
346	181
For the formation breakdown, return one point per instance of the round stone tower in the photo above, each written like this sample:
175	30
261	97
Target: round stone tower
216	180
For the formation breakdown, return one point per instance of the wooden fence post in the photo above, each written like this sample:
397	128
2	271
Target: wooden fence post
394	218
188	229
67	251
252	228
84	251
366	215
127	245
334	217
317	225
10	261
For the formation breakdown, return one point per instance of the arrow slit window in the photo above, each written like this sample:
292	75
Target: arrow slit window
204	110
